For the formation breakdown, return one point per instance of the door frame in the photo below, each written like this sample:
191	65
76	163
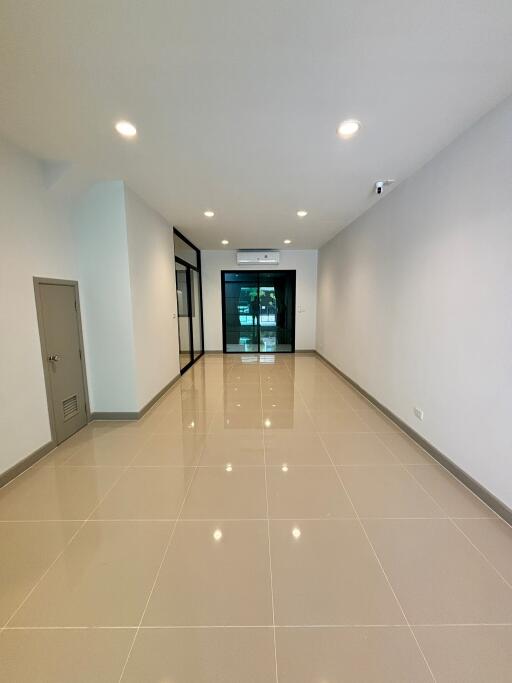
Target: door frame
197	268
44	351
257	272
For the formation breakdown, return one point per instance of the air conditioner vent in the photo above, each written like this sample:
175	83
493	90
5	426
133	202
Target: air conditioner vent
251	257
70	407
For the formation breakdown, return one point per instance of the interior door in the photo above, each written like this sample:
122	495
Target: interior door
62	347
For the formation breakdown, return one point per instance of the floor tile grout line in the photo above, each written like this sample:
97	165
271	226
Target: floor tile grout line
380	563
164	555
71	539
152	627
269	547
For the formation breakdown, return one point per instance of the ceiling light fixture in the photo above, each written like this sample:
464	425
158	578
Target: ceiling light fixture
287	241
209	214
126	129
302	213
225	242
348	128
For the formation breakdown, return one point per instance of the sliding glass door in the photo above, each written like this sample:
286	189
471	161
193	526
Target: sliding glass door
190	304
258	310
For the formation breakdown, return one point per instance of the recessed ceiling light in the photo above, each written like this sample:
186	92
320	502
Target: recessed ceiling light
209	214
126	129
348	128
225	242
301	214
287	241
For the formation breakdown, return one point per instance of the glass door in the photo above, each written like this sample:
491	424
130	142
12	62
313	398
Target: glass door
184	317
241	310
189	300
258	311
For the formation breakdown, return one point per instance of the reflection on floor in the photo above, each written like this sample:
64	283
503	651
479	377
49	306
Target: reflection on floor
261	523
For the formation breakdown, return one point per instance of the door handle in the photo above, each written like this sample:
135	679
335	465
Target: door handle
54	358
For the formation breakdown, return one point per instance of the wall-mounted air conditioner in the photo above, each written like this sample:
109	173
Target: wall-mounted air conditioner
250	257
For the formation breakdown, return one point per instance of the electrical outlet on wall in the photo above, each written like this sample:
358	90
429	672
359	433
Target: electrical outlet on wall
418	412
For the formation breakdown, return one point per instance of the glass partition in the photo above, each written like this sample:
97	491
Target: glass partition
189	300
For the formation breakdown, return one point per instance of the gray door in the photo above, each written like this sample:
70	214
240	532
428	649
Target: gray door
60	327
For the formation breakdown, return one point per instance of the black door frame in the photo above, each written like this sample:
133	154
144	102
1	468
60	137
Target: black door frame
197	268
257	273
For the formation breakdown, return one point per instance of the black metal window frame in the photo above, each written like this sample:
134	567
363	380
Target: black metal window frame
197	268
257	272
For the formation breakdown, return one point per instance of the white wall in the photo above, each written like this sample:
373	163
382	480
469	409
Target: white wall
153	298
34	241
121	253
415	301
105	298
304	262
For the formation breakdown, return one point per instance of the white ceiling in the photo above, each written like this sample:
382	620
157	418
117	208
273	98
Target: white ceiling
237	101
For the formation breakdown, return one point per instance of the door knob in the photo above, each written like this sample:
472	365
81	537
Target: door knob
54	358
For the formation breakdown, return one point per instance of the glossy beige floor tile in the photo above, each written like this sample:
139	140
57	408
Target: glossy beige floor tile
240	450
278	389
468	654
493	537
358	449
60	493
263	522
213	655
387	491
438	575
326	402
271	402
377	421
146	493
295	449
405	449
27	549
227	421
108	451
216	493
455	499
102	578
215	573
325	572
359	655
292	421
63	656
187	421
306	493
339	421
242	404
170	450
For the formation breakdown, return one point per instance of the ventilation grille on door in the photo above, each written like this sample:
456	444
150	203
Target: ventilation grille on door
70	407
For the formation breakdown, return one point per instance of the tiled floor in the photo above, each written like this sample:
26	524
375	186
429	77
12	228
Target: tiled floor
261	524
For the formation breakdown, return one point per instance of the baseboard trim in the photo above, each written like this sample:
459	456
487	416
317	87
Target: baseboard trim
138	414
24	464
498	506
158	395
113	416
